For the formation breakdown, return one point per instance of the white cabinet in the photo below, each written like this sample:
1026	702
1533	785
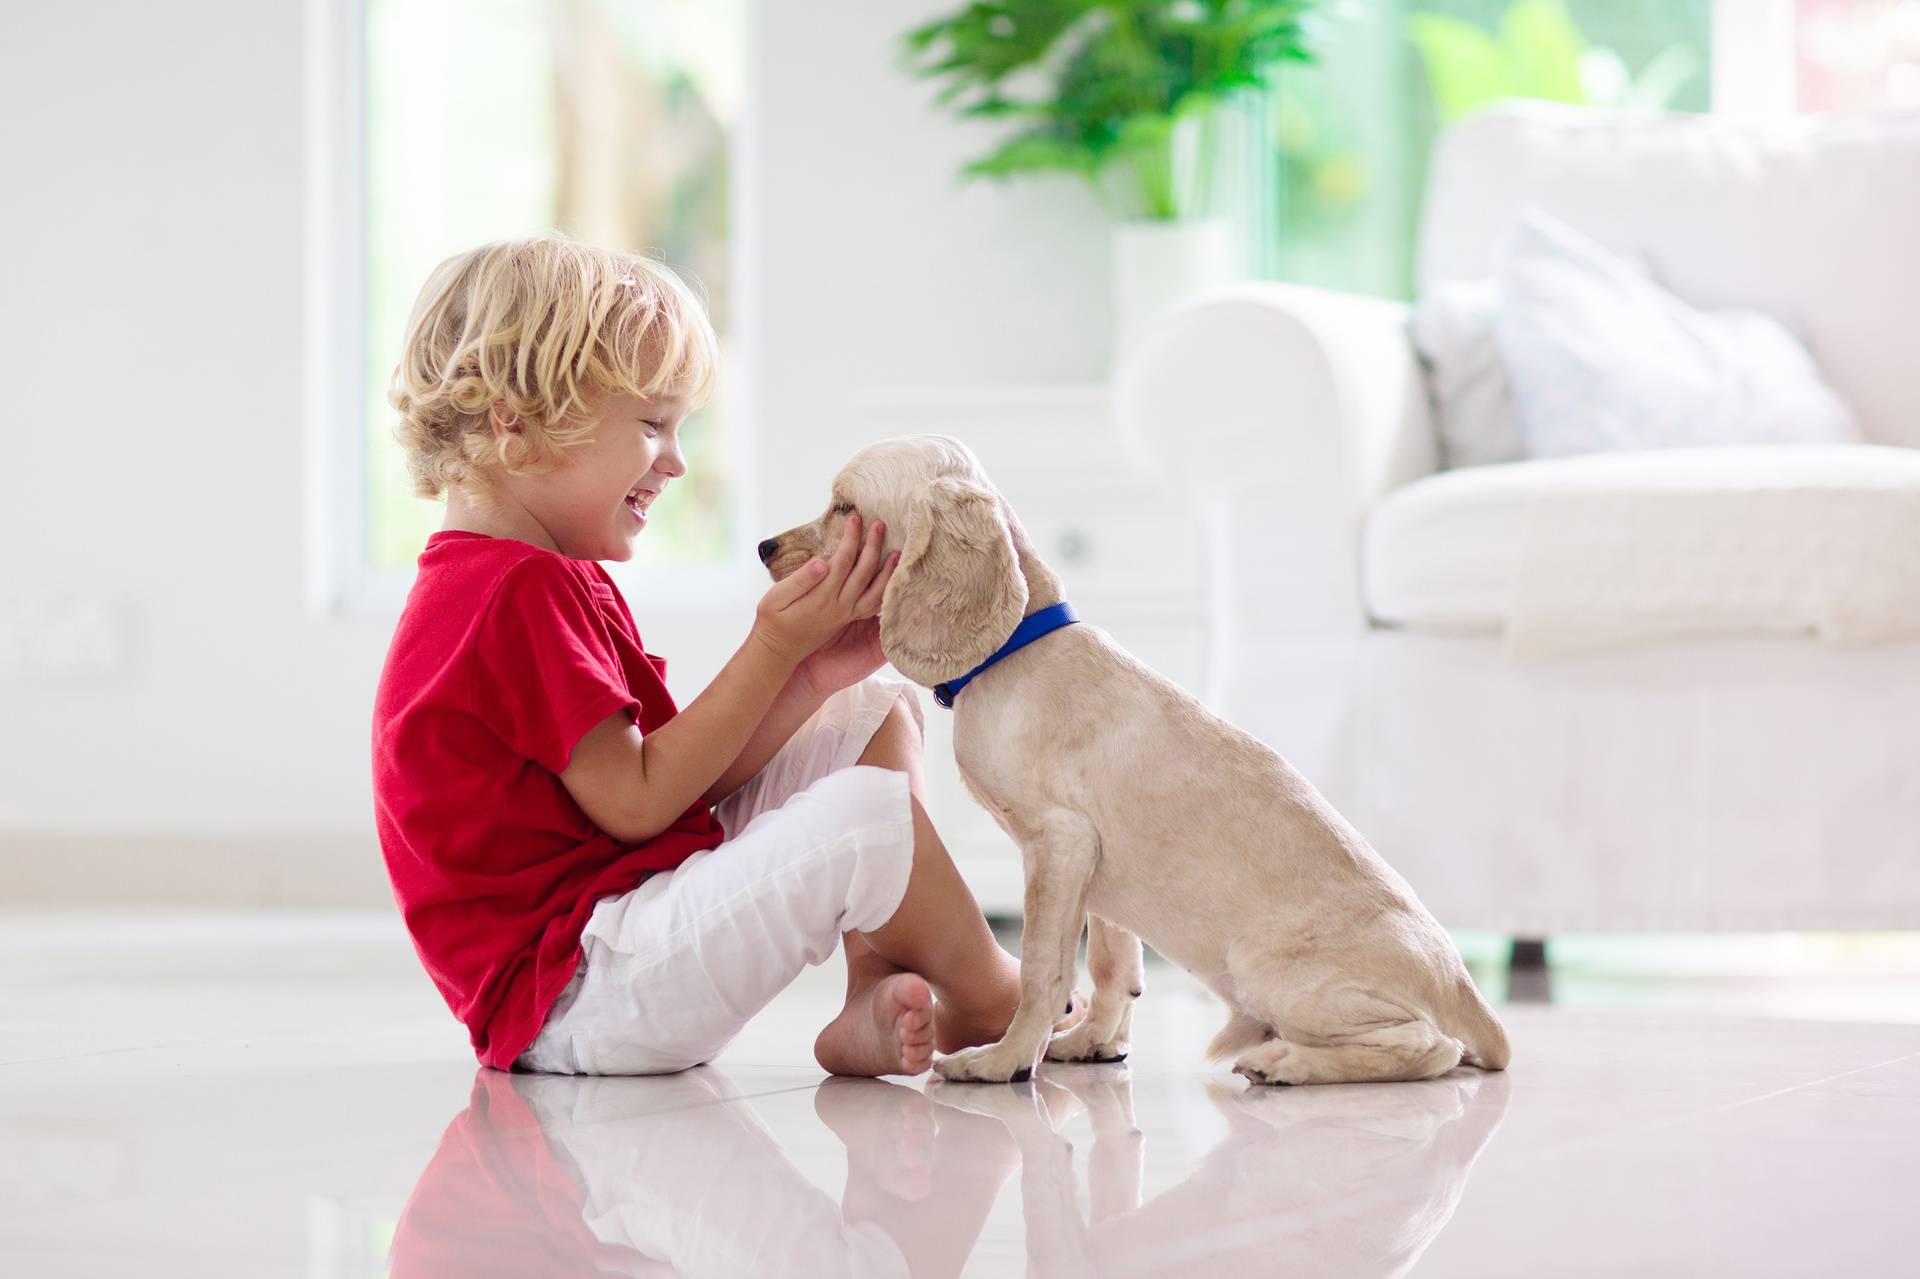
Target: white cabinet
1123	543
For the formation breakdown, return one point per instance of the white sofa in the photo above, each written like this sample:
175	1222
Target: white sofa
1728	780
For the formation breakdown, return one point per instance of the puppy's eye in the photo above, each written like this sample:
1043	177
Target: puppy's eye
843	508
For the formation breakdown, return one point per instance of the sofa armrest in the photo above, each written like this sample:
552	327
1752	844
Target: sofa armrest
1287	412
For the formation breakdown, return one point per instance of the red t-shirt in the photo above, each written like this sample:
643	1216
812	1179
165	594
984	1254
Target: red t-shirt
505	655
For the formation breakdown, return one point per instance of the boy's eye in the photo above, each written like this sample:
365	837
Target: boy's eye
653	428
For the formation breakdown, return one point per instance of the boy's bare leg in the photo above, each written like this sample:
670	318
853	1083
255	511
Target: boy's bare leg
889	1020
937	938
939	932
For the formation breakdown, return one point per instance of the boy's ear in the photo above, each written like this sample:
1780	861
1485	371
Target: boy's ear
509	435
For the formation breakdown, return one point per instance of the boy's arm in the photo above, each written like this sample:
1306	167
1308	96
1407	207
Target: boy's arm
633	787
791	708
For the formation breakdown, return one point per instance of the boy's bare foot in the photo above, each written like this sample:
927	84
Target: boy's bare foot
885	1029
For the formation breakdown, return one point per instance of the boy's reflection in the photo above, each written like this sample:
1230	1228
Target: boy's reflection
676	1175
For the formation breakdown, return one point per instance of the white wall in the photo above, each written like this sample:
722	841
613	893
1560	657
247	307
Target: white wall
152	205
874	265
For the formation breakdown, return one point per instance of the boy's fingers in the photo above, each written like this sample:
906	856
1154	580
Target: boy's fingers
870	601
863	568
797	583
843	554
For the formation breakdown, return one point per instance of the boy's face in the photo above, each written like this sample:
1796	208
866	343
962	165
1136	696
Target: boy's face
595	502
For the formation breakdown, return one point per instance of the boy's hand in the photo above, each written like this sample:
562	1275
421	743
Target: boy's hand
819	599
844	660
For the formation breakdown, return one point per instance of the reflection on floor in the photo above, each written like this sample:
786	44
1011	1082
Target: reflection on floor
593	1176
280	1096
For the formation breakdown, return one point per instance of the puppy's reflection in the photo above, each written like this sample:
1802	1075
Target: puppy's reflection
1349	1181
677	1175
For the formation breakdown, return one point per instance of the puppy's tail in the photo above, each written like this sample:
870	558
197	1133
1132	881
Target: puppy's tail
1239	1034
1481	1031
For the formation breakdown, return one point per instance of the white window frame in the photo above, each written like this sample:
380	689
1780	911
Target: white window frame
1752	58
341	578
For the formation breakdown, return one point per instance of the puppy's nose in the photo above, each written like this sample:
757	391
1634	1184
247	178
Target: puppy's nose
767	549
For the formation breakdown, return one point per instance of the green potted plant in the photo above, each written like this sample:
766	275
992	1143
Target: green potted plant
1125	94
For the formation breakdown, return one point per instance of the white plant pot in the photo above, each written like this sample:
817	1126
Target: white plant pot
1158	265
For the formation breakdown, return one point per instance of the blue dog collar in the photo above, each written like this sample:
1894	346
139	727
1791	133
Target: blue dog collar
1032	627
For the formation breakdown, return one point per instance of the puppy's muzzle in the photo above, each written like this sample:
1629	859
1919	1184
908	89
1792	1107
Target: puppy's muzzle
768	549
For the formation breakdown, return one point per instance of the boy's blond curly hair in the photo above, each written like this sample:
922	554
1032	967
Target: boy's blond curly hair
537	331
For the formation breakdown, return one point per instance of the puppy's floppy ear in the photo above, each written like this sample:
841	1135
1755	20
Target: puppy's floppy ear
957	592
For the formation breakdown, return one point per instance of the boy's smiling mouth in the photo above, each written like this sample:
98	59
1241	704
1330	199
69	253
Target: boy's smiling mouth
638	499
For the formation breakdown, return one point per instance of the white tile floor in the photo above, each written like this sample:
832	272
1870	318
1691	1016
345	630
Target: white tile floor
286	1096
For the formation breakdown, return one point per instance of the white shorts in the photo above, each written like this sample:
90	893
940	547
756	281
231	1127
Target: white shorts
817	845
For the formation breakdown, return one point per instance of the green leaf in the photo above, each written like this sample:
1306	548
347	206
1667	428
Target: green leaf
1466	67
1144	131
1662	78
1035	151
997	108
1543	50
1106	70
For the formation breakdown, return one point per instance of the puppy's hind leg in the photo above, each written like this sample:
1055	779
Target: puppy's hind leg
1241	1032
1379	1054
1113	957
1331	1030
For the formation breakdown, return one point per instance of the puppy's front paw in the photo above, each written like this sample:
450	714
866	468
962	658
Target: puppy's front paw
991	1064
1081	1044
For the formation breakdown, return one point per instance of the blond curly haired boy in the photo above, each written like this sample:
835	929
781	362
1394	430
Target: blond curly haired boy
599	881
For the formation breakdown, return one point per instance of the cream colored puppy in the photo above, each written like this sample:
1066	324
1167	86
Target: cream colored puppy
1134	805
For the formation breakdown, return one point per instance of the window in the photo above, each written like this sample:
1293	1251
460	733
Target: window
612	120
1351	132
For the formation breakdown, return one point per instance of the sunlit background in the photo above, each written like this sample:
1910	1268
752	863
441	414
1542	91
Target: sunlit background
615	121
218	245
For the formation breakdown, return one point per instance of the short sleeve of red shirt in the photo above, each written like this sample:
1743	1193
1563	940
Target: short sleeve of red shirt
544	669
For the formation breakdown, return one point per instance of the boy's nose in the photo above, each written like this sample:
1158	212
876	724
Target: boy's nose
767	548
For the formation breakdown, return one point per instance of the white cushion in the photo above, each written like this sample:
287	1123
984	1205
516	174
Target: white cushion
1452	329
1446	552
1599	358
1809	219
